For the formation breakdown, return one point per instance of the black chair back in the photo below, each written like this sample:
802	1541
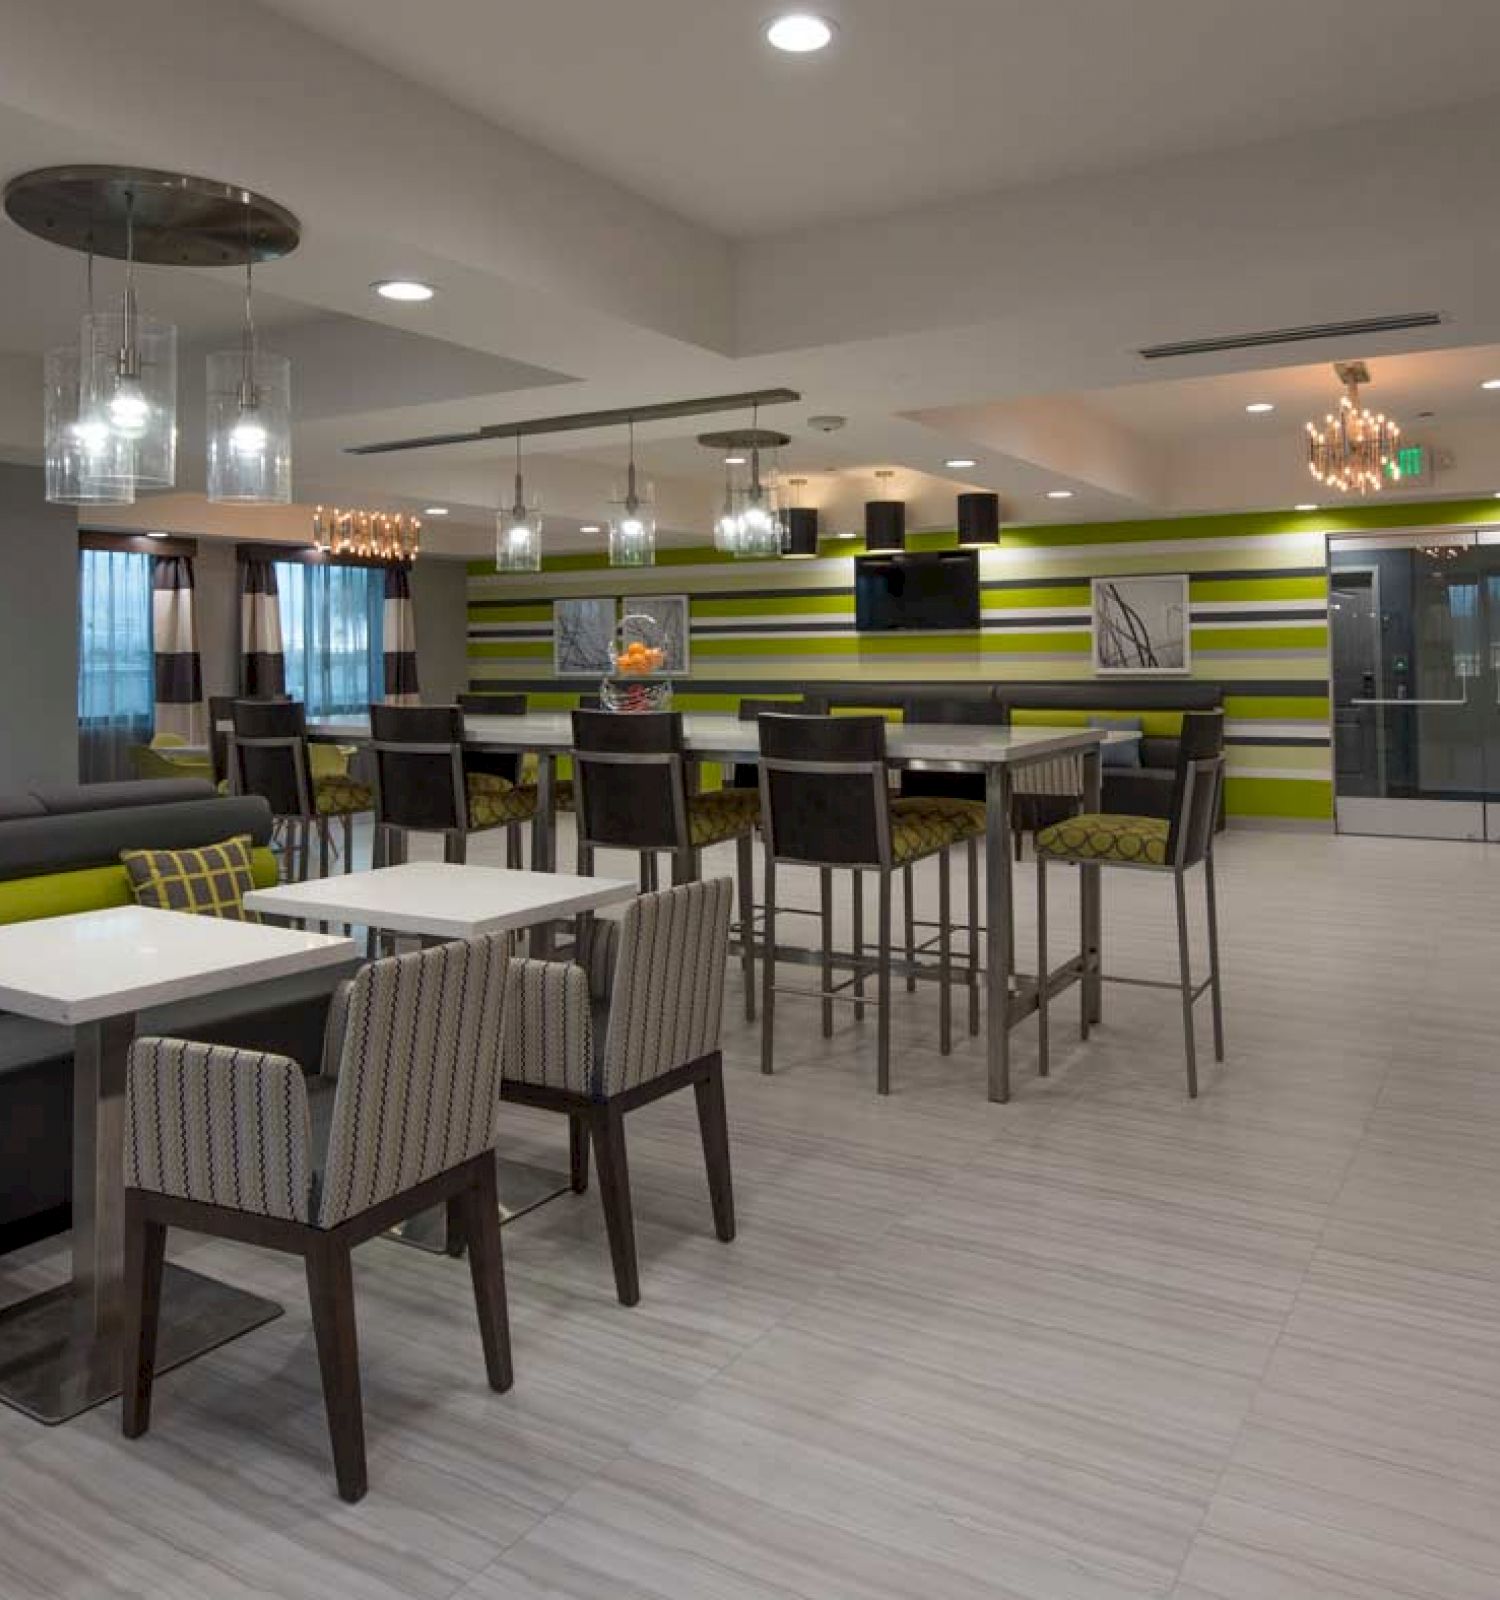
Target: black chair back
746	776
270	752
951	709
824	793
1196	787
493	705
220	711
631	780
419	767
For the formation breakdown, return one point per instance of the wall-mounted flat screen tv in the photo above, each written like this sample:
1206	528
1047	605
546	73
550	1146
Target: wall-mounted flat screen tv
926	590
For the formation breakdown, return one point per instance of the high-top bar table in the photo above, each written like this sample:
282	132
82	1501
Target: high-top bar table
93	973
996	752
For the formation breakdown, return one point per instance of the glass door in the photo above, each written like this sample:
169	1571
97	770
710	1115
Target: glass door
1414	633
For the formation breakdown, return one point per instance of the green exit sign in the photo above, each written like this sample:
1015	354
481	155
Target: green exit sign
1410	465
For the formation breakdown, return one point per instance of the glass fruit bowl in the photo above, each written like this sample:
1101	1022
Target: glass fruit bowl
638	655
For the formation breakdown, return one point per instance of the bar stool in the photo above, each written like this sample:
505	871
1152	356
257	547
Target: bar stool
826	803
630	773
272	759
425	784
1172	844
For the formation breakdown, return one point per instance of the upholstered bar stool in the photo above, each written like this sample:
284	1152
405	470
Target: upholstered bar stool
826	803
631	779
1174	845
424	783
273	759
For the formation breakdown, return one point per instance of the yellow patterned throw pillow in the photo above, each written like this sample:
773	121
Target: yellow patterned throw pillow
208	882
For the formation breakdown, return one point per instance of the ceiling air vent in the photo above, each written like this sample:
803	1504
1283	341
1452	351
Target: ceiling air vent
1359	328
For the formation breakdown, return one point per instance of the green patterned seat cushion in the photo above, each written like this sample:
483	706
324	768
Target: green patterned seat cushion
722	814
338	795
211	881
1101	837
495	801
921	824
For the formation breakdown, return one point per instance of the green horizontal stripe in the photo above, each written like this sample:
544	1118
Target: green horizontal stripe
1277	708
769	604
1258	589
524	649
1308	799
1307	636
510	611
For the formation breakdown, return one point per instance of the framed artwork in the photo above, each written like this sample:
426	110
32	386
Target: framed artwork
1140	626
582	635
672	616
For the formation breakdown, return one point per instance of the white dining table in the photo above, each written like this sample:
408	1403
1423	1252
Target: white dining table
438	901
997	753
94	973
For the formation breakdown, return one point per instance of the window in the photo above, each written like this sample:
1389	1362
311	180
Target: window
116	668
331	630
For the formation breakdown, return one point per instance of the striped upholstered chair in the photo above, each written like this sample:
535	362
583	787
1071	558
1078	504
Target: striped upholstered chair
638	1020
242	1146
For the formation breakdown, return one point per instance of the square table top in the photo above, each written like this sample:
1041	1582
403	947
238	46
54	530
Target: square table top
442	900
98	964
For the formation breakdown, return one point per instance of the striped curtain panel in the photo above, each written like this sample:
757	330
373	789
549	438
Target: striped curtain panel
174	644
399	638
262	660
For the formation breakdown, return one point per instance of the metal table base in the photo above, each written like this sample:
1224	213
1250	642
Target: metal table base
53	1366
522	1188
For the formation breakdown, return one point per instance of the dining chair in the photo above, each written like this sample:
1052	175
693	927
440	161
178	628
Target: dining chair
826	803
1174	844
425	783
630	773
240	1145
273	759
638	1019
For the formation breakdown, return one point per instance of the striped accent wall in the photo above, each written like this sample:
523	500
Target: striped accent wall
1259	621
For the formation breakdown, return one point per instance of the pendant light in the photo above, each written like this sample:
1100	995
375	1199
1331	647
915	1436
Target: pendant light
249	416
74	446
518	531
758	527
885	521
800	536
978	521
632	531
129	380
727	523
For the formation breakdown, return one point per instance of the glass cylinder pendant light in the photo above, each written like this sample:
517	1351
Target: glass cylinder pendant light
758	525
727	523
129	381
518	530
77	448
249	419
632	529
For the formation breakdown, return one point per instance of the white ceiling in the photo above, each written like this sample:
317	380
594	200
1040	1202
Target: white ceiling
1127	173
917	100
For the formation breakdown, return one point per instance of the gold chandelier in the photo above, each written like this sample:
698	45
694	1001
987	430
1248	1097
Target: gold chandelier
369	535
1355	449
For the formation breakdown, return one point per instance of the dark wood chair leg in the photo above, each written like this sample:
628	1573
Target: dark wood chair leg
145	1254
481	1210
713	1124
608	1126
578	1152
330	1289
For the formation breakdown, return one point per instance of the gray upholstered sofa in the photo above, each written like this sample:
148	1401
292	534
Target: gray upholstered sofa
59	853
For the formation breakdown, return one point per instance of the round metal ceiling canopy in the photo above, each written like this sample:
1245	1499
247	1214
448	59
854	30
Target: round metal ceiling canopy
176	220
744	439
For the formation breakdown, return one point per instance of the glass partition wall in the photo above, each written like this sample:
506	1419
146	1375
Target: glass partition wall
1414	636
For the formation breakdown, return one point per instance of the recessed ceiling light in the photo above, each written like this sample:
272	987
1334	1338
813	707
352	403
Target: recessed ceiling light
960	462
588	527
1059	494
403	289
799	33
435	511
156	533
1306	505
1490	383
734	461
1258	408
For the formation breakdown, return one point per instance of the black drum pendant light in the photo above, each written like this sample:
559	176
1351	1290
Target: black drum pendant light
979	521
885	522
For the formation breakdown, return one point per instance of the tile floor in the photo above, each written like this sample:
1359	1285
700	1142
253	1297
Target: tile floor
1100	1342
